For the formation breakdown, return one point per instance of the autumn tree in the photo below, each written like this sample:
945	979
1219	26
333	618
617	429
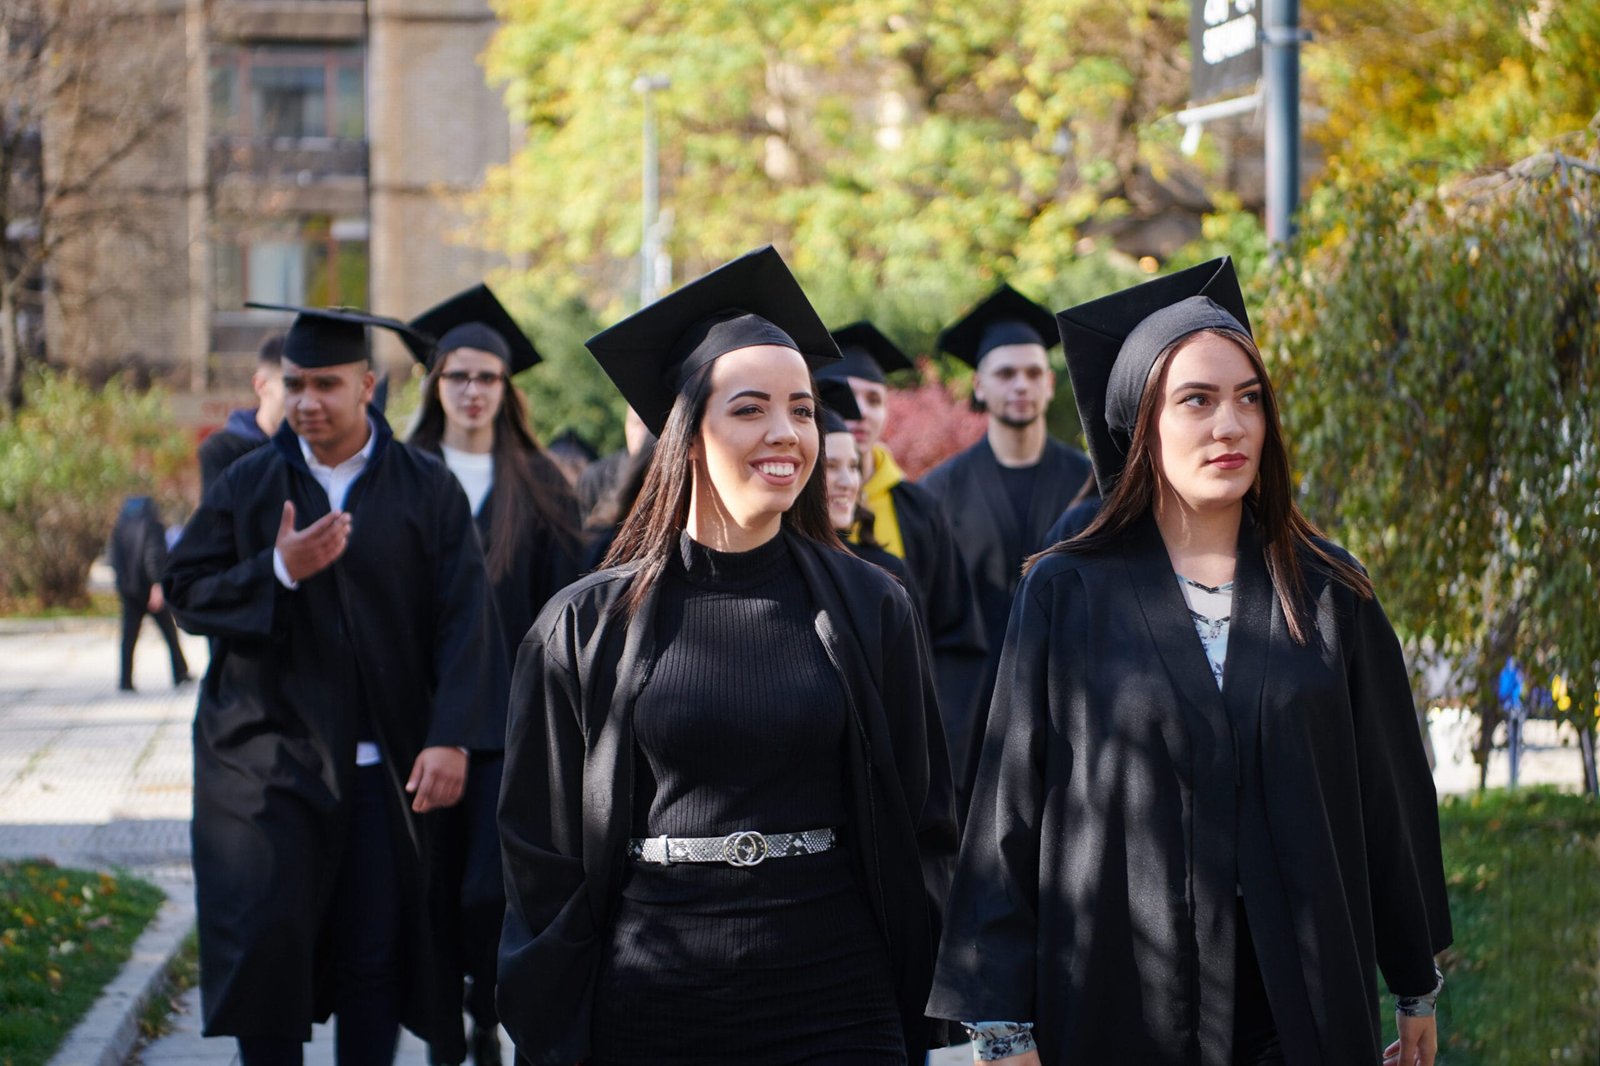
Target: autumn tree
1451	83
1438	349
900	154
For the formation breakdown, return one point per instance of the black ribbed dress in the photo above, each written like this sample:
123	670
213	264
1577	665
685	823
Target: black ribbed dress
742	726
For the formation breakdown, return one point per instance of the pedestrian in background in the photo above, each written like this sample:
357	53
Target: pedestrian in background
248	428
138	557
1003	493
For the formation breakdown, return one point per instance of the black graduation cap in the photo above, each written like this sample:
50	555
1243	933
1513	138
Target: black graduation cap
570	442
333	336
751	300
867	353
1112	342
1004	317
475	319
838	402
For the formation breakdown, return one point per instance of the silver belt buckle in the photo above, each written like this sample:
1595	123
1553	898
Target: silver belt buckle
744	848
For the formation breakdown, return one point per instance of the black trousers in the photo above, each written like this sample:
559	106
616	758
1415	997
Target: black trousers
133	612
1255	1035
366	924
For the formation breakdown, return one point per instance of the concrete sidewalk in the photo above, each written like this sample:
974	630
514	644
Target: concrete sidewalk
90	775
93	777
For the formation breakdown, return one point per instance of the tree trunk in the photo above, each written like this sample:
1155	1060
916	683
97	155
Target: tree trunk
1488	718
1486	693
10	354
1586	744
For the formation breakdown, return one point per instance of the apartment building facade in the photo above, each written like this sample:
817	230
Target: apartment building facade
318	154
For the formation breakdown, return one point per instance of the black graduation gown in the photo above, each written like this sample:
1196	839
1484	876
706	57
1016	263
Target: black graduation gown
895	565
1073	520
969	488
566	806
394	642
469	845
138	549
1123	801
221	450
944	591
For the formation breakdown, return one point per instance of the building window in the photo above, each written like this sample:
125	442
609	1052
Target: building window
314	261
289	90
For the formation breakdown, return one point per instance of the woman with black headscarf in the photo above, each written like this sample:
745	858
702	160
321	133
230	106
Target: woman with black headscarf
726	817
1203	818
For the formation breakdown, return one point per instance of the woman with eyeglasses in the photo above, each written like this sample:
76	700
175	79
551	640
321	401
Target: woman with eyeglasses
475	419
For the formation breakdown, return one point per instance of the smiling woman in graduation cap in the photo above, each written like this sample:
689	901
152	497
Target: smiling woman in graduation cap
726	816
1203	816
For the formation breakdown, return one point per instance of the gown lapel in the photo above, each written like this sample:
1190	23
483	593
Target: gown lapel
608	760
991	490
1250	630
1046	505
1255	628
1213	788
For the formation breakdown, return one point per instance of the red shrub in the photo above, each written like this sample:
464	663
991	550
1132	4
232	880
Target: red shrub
927	425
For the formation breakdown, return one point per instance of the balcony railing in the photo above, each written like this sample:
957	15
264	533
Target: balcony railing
294	160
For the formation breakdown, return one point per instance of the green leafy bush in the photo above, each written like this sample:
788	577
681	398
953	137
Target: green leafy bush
67	461
1438	350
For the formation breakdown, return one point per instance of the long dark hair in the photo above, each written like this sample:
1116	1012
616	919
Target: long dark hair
615	503
649	536
866	526
530	487
1286	532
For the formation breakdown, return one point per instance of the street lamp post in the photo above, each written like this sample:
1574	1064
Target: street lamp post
646	85
1283	37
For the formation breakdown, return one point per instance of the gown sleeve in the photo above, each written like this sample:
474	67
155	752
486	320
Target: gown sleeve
549	949
1411	912
155	551
987	958
212	590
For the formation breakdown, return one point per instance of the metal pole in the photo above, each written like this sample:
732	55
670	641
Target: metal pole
650	237
1282	36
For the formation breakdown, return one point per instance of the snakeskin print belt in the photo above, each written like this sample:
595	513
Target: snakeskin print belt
744	848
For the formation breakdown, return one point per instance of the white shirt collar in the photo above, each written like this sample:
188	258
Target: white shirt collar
355	462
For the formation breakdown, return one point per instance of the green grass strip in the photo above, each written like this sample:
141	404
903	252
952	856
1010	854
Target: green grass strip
1522	982
63	935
